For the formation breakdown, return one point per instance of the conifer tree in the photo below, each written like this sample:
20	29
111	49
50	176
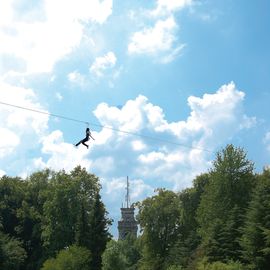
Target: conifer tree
224	203
256	232
99	235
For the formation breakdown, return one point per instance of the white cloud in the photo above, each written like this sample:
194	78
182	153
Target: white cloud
20	129
102	63
2	173
130	117
35	39
213	120
104	165
138	145
9	141
158	41
18	119
62	155
165	6
157	38
116	189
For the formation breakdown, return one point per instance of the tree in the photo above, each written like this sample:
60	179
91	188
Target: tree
70	200
159	220
50	211
256	232
99	235
122	254
60	213
30	217
183	252
221	266
113	258
72	258
131	250
12	254
175	267
224	203
11	197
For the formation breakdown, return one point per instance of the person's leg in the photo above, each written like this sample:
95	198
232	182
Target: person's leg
83	142
78	143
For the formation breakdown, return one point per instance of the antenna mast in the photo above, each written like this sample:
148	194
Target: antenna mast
127	195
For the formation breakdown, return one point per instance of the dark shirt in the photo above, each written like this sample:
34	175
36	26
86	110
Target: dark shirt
87	134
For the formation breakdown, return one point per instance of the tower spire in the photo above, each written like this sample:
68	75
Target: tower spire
127	195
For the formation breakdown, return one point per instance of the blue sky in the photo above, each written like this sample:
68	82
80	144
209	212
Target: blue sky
192	72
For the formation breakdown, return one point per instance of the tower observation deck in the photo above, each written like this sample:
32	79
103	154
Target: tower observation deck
127	224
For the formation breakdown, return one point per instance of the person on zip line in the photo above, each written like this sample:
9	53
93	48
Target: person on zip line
87	137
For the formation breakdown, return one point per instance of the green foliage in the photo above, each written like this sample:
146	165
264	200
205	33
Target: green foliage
159	218
256	233
74	213
223	204
72	258
187	239
126	252
12	255
175	267
53	210
221	266
224	218
11	198
113	258
31	215
131	250
64	197
98	236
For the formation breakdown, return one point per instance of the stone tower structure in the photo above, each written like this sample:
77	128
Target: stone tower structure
127	224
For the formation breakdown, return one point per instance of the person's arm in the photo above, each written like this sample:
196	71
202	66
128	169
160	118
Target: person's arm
91	136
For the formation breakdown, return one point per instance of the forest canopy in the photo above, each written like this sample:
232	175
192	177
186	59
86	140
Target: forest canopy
57	220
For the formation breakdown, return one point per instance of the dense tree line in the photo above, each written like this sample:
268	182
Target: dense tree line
56	221
221	223
52	220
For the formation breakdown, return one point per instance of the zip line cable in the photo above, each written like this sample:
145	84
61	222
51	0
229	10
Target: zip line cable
107	127
42	112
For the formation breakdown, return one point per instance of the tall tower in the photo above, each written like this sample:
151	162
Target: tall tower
127	224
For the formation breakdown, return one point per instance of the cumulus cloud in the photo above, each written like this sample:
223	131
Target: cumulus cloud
138	145
21	120
102	63
166	154
160	41
62	155
36	38
164	6
20	129
138	188
9	141
2	173
157	39
213	120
